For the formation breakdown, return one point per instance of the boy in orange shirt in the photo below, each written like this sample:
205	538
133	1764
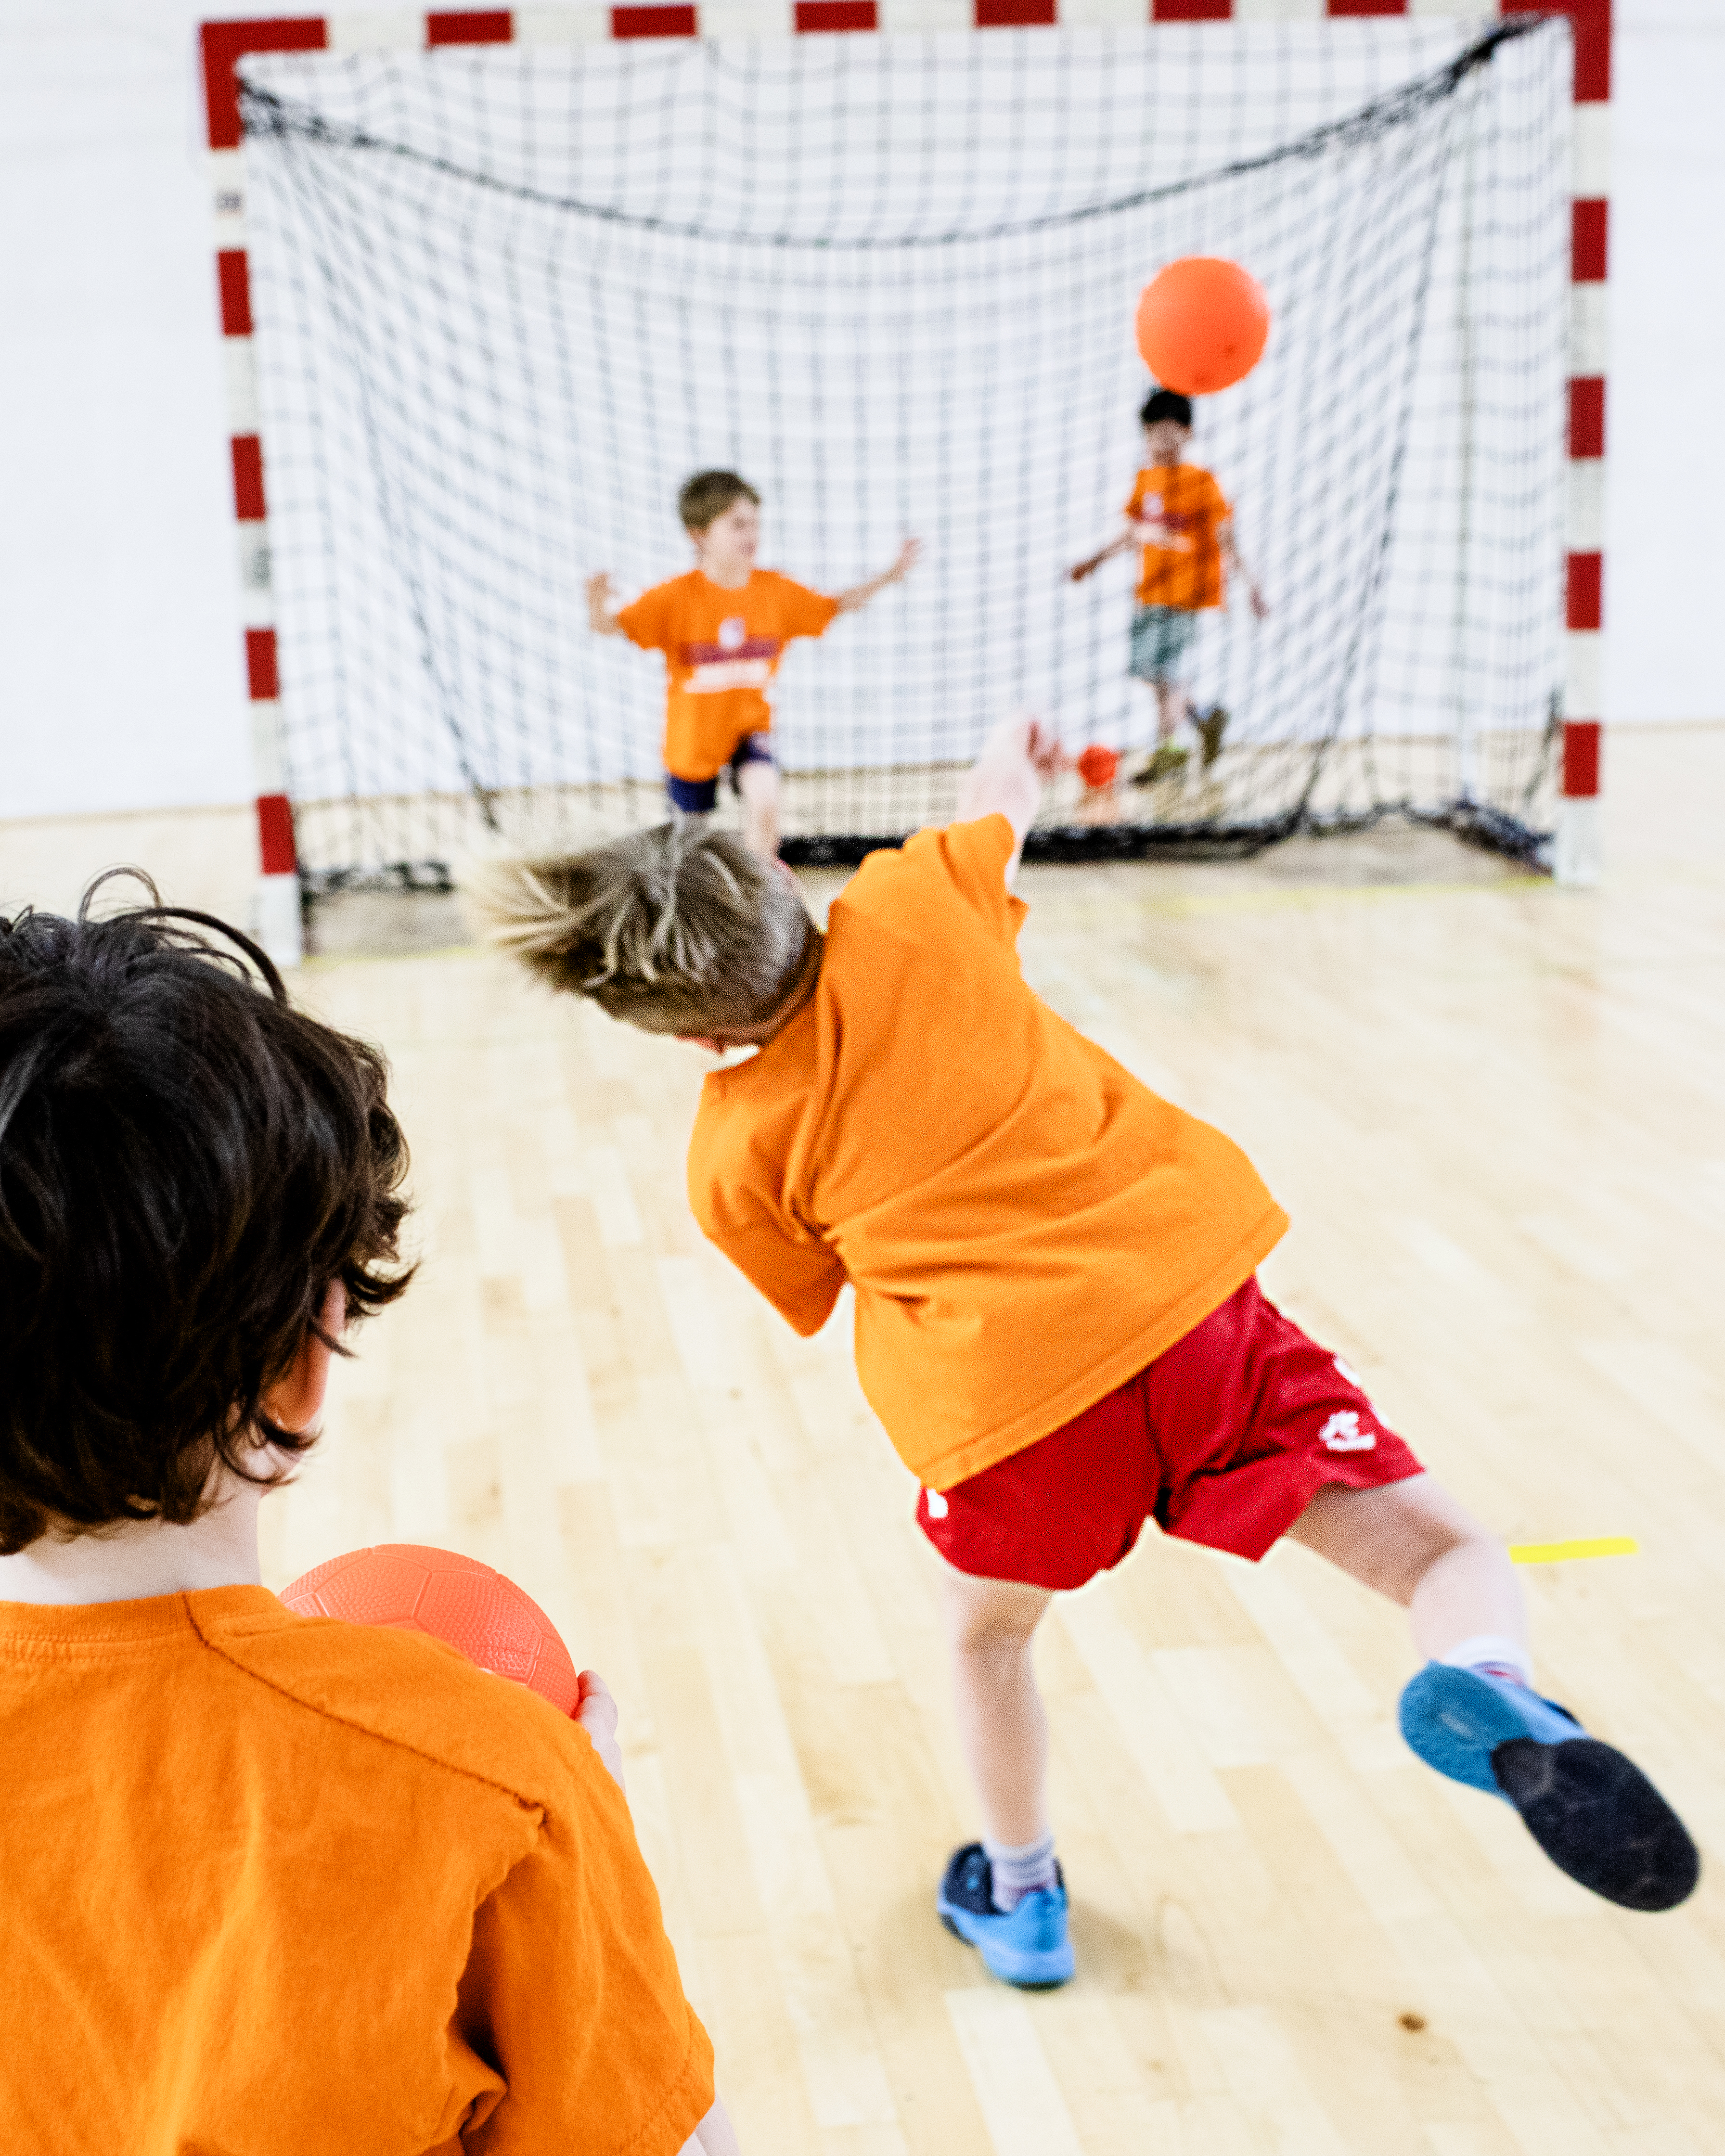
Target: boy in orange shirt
723	628
273	1884
1177	514
1057	1317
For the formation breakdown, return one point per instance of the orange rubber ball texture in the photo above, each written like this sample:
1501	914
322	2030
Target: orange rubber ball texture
1202	324
454	1598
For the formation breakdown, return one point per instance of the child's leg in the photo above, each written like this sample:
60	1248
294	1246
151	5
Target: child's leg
1172	703
1005	1895
1413	1541
1471	1712
758	786
1001	1724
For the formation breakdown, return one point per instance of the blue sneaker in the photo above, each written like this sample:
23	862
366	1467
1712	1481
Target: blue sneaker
1029	1947
1594	1812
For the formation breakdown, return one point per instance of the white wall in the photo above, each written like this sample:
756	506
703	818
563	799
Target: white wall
1665	414
120	675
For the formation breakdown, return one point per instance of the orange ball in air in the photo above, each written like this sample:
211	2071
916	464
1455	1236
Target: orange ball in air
454	1598
1202	324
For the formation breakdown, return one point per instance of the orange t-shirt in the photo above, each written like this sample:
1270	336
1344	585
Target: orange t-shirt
1026	1226
1187	572
721	649
277	1884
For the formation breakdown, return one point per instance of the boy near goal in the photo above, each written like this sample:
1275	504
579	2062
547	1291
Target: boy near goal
1184	525
1058	1320
723	627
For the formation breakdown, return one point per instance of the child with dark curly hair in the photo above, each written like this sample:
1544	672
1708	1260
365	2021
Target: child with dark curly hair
272	1883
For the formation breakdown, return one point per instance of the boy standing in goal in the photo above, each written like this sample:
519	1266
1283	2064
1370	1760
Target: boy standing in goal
1057	1317
723	628
1179	516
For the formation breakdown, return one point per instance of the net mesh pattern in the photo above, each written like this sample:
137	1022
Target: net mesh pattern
507	298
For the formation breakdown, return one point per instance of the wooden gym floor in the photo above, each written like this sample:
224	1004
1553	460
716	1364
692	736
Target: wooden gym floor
1497	1113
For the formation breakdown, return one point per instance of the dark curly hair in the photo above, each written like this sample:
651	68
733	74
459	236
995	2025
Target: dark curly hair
186	1164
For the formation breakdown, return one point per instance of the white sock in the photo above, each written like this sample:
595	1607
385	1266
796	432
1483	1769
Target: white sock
1017	1872
1494	1652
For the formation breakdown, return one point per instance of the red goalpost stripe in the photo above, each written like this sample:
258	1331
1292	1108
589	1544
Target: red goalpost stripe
225	43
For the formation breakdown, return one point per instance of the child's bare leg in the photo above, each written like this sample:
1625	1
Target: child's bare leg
1171	704
1471	1712
1413	1541
757	783
1001	1724
1004	1896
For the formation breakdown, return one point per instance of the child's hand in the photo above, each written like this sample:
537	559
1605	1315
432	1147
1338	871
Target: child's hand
597	1716
601	606
907	558
1042	746
1260	605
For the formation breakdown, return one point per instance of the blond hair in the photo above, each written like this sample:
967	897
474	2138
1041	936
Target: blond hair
680	929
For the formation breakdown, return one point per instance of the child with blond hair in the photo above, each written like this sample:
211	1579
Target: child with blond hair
272	1883
723	627
1057	1316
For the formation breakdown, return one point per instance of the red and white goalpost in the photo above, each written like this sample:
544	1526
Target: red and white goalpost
1577	850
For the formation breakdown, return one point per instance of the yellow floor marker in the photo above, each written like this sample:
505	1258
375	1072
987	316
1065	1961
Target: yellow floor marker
1561	1553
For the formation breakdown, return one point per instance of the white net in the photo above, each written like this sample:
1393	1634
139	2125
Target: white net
508	298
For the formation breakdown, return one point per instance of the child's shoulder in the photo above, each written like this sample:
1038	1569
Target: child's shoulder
672	589
421	1698
944	871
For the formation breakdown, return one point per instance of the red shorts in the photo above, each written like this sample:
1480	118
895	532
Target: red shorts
1223	1440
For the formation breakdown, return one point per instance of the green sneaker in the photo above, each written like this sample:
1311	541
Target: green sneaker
1169	760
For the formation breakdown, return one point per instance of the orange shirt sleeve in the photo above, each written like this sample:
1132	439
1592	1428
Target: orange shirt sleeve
796	1272
1135	497
646	621
971	858
804	613
571	1992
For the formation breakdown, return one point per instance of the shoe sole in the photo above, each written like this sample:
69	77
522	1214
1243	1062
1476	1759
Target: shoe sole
1597	1817
1594	1812
1025	1972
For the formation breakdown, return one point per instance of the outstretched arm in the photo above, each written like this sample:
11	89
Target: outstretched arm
1233	562
1114	546
602	607
1008	777
1140	531
859	595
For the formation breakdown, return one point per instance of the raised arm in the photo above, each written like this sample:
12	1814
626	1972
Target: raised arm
602	607
859	595
1008	777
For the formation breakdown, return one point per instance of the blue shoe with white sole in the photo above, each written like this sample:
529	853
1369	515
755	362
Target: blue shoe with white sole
1027	1946
1594	1812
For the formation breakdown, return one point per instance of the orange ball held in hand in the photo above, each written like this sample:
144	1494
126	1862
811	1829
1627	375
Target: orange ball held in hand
1202	324
456	1599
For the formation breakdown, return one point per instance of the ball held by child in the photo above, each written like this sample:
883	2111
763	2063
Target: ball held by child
449	1597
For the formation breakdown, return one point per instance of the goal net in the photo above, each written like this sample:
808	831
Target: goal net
508	298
